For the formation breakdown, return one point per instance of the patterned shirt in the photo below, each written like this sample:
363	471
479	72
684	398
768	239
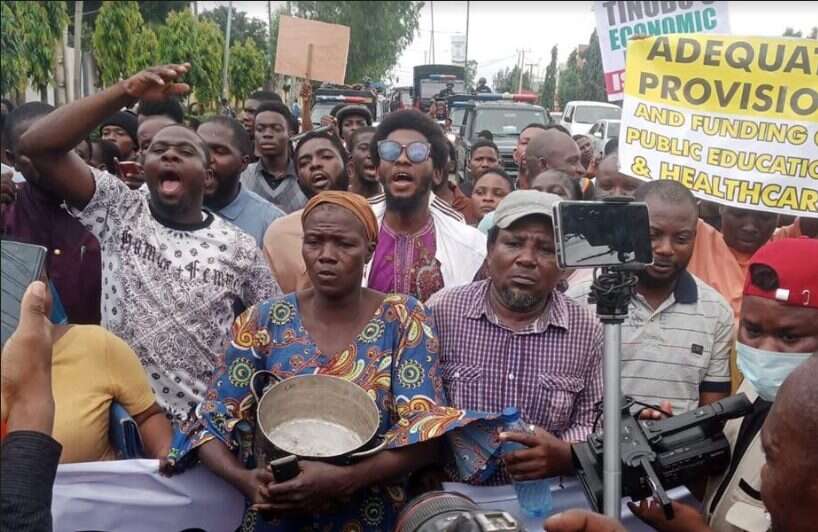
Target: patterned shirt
168	291
393	358
406	264
550	370
283	192
678	350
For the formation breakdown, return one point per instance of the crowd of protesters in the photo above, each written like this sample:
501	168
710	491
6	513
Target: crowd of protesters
183	259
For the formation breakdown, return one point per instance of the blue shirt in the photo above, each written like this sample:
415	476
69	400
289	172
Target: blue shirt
251	213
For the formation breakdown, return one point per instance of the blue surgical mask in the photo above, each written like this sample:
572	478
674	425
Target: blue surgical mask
766	370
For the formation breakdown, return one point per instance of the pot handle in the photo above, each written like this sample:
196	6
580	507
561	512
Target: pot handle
262	372
369	452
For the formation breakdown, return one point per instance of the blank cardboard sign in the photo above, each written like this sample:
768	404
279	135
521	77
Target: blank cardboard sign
327	58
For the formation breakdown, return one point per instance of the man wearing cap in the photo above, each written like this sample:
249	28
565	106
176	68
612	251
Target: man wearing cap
778	331
677	337
350	118
513	339
120	128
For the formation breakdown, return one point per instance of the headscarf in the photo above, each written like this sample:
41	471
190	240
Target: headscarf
354	203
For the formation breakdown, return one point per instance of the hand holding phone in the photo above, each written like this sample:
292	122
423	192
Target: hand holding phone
285	469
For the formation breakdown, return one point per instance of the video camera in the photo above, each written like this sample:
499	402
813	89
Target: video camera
660	455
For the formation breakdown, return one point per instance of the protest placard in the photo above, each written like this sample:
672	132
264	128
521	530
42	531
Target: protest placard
617	21
734	119
312	50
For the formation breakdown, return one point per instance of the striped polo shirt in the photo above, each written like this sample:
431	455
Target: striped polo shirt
678	350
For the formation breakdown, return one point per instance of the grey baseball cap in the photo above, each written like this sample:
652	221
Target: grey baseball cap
522	203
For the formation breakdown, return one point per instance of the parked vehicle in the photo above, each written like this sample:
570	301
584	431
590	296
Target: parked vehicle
431	80
555	117
400	98
325	99
579	116
602	132
504	115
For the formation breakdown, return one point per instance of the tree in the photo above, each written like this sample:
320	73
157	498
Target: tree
117	32
469	75
379	31
549	86
508	80
568	88
592	77
183	39
13	73
813	34
242	27
40	24
246	69
146	50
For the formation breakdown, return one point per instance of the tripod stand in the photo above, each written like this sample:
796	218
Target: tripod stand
611	291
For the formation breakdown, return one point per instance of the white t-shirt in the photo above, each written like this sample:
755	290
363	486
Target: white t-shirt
169	291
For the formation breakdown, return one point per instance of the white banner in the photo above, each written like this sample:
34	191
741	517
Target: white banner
131	496
734	119
618	21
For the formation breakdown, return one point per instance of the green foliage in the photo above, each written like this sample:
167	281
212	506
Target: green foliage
813	34
470	73
508	79
38	26
117	33
549	86
183	39
379	32
592	78
13	72
242	27
146	50
569	85
246	69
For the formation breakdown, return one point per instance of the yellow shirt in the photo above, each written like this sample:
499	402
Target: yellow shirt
91	368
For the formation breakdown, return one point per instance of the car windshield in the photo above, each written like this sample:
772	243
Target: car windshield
321	109
588	114
613	130
506	122
456	115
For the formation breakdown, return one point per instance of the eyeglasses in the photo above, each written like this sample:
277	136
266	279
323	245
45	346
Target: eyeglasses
390	151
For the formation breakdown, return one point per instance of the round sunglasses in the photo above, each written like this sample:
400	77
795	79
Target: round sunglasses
416	152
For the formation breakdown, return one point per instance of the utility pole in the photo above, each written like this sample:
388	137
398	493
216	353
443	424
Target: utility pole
531	74
466	63
77	50
432	45
268	79
227	48
522	68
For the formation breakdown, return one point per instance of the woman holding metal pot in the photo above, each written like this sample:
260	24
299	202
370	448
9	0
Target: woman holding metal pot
383	343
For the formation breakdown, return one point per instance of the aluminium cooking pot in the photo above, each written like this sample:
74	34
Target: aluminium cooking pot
314	417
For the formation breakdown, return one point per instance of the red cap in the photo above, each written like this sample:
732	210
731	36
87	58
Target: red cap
795	260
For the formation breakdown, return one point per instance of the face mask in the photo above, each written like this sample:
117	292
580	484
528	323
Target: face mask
766	370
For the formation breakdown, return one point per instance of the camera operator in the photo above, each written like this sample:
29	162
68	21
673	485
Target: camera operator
677	337
778	330
788	486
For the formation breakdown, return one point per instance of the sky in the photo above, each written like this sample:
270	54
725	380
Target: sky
497	30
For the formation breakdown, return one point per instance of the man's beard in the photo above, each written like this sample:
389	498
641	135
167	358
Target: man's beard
518	300
411	203
651	282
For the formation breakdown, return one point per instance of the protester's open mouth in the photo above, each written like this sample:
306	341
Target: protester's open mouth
327	275
370	169
402	180
320	180
267	145
169	182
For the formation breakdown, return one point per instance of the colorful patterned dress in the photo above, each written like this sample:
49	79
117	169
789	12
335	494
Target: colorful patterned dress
394	358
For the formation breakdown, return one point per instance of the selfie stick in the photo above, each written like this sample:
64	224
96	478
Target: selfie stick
611	291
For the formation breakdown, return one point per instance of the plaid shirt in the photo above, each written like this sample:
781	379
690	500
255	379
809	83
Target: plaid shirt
551	370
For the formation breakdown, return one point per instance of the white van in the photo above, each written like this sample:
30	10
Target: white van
579	116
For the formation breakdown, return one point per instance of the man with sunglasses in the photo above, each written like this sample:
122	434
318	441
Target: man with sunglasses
423	244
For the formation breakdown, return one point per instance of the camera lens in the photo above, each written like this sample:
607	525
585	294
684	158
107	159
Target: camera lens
424	513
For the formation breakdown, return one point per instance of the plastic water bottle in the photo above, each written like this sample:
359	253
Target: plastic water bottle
534	496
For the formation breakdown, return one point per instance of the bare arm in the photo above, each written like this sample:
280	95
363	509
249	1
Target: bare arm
706	398
306	111
50	141
155	430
